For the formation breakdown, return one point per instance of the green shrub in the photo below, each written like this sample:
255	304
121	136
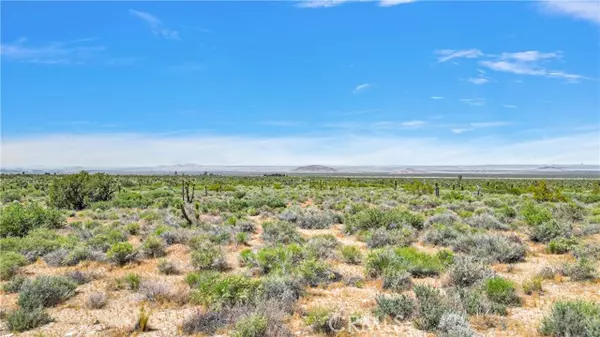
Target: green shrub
18	220
324	320
14	284
549	230
315	273
133	228
398	307
542	192
561	245
375	218
77	191
26	319
417	263
502	291
242	238
121	253
445	256
280	232
217	291
572	318
209	257
45	291
351	254
154	247
132	281
10	263
253	326
535	214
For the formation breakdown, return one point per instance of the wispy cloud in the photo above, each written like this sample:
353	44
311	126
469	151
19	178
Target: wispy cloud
388	3
377	125
478	80
156	25
473	101
333	3
75	52
530	62
529	56
412	124
530	68
479	125
436	97
583	10
450	54
361	88
135	150
510	106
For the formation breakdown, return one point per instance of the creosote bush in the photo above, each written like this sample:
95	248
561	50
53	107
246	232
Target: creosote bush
18	220
351	254
121	253
209	257
501	290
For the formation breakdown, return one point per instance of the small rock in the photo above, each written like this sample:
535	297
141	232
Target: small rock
70	334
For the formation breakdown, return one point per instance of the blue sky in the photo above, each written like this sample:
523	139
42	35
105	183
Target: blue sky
108	84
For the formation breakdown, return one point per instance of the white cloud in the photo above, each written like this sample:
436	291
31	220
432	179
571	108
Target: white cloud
156	25
583	10
479	125
333	3
450	54
412	124
319	3
436	97
488	124
388	3
510	106
75	52
134	150
473	101
376	126
361	88
529	68
478	80
529	56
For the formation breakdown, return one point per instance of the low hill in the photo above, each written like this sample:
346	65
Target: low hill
314	168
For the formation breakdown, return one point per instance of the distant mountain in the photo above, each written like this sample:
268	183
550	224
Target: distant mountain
405	171
550	168
314	168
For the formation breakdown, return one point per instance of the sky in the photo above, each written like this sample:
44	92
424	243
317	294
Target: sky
386	82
